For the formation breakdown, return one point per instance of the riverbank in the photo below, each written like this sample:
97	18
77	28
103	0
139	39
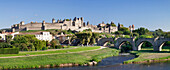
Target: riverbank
148	56
58	60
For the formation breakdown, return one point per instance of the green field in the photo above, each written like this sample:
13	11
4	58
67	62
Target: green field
147	54
78	49
56	59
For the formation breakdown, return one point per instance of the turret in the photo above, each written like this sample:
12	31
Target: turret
43	25
112	22
58	21
53	20
70	19
22	23
81	18
88	23
84	24
43	22
133	27
75	18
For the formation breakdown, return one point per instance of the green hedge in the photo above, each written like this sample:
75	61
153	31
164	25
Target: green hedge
9	50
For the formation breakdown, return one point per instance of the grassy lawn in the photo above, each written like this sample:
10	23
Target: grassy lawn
147	54
78	49
56	59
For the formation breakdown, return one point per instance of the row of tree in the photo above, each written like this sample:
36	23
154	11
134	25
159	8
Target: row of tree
87	37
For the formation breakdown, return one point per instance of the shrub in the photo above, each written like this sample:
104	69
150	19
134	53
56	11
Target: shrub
59	46
126	36
5	45
9	50
146	36
44	48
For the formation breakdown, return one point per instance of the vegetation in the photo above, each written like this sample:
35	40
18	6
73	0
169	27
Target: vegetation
87	30
87	37
78	49
126	47
9	50
54	42
28	43
146	36
147	56
56	59
112	24
5	45
141	31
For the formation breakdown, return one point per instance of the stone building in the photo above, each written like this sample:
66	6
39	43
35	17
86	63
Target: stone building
107	28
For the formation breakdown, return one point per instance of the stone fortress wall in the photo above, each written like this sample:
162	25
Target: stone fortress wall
77	24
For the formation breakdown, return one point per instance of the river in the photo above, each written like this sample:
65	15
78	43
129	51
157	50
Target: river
115	63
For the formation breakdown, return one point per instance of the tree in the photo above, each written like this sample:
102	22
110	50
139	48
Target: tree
92	41
84	37
5	45
8	38
158	32
167	34
70	38
112	24
127	32
135	34
29	41
123	29
141	31
119	32
23	47
54	42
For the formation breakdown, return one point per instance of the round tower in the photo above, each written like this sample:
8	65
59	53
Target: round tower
81	18
88	23
43	25
43	22
22	23
53	20
133	27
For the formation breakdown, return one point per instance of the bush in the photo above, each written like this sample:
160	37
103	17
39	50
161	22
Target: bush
5	45
59	46
44	48
126	36
9	50
146	36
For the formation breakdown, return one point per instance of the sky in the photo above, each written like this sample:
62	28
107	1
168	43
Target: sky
151	14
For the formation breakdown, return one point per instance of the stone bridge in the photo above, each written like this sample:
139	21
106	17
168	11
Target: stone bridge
157	43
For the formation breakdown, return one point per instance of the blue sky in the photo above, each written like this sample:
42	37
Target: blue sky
151	14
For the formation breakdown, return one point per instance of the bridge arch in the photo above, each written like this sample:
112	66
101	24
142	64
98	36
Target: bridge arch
160	43
121	41
140	42
103	41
